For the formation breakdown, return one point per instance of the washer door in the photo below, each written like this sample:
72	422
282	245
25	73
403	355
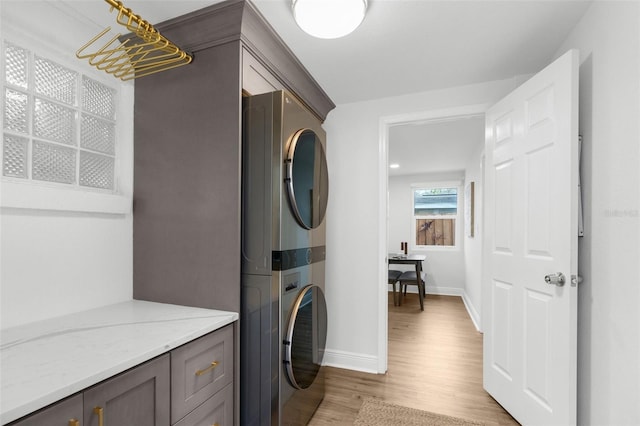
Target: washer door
305	337
306	178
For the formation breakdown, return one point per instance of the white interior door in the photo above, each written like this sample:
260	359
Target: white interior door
531	232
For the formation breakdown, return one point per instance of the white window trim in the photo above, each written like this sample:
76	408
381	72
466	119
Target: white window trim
27	194
458	217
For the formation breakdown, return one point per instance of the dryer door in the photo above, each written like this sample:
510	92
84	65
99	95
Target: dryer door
305	338
306	178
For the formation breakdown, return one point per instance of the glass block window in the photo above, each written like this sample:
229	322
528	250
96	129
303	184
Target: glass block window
55	81
16	111
16	66
97	134
98	98
54	122
53	163
96	170
59	126
15	151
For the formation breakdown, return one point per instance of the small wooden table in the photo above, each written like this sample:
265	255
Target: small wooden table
409	259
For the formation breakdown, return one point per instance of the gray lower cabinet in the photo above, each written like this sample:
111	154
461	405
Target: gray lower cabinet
138	397
199	370
67	412
190	386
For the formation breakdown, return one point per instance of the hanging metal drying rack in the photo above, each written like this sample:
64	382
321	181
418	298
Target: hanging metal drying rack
144	51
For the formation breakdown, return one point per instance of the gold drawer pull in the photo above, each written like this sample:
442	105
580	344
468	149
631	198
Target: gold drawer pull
100	412
213	365
74	422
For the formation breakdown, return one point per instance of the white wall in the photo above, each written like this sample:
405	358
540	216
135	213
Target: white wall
55	263
355	264
609	254
444	266
472	295
61	259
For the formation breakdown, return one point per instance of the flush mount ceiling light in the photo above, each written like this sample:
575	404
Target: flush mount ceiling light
328	18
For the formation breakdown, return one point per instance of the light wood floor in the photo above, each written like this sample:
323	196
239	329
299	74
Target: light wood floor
435	364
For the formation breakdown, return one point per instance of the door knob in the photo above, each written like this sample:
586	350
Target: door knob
555	279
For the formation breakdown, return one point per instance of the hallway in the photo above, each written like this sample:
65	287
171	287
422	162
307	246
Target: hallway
435	364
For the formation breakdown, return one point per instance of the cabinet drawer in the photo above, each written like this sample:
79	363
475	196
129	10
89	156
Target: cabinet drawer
217	410
64	413
200	369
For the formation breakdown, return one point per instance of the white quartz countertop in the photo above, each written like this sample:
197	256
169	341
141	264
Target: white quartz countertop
47	361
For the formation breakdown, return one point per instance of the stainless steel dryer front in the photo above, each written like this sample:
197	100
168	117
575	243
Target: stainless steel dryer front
283	314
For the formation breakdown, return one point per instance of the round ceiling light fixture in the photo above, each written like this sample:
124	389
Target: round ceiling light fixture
328	18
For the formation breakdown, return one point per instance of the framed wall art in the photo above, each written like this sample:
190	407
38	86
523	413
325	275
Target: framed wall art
469	207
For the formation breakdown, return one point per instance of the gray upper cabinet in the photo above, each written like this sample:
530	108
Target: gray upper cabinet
256	78
187	149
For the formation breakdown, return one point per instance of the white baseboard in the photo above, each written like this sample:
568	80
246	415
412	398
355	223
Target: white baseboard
473	313
351	361
443	291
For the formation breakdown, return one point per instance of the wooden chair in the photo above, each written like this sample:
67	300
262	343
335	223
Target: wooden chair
393	279
409	278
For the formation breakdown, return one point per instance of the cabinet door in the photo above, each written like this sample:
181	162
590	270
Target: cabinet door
67	412
138	397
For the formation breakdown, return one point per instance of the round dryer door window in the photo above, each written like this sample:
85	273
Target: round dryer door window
306	178
305	338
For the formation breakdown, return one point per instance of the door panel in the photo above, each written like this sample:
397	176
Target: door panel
502	296
531	232
537	351
503	211
539	214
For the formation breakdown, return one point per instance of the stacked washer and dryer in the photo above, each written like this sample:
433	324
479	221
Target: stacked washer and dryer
283	314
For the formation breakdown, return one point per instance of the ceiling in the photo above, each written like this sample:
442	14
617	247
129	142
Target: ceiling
435	147
406	46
